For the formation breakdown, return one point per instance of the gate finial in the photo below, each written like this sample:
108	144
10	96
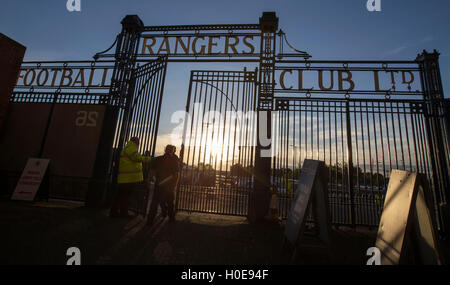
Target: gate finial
269	22
132	23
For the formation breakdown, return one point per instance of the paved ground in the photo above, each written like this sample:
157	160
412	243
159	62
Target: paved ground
41	232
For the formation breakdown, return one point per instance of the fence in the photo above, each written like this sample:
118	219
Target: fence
375	135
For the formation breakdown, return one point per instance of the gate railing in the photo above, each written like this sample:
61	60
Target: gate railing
218	143
138	116
362	126
385	135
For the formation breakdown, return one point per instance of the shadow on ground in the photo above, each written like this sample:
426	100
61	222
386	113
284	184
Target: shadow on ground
41	233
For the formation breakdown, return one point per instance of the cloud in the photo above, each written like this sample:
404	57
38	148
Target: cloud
405	46
394	51
427	39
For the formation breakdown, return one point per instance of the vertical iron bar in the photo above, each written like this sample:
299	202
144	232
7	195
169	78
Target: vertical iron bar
350	163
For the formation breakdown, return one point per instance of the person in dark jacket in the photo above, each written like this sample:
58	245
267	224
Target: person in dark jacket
166	168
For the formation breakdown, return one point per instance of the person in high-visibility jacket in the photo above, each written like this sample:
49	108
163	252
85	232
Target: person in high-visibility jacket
130	173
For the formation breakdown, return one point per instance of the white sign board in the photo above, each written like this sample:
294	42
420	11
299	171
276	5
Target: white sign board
406	234
311	191
30	180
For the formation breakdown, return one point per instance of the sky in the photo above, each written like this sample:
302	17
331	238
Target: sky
326	29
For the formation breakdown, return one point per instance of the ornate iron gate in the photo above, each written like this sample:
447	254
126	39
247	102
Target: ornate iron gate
139	116
360	133
218	143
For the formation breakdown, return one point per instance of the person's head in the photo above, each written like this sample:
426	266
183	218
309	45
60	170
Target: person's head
170	149
135	140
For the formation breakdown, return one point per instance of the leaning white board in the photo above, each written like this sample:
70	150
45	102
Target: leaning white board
31	179
311	191
406	233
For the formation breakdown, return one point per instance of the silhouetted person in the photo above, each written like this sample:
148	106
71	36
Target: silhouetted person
166	169
130	174
146	168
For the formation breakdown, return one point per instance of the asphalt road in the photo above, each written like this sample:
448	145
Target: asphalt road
41	233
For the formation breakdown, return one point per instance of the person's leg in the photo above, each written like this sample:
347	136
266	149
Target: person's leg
163	202
170	207
154	205
126	196
117	201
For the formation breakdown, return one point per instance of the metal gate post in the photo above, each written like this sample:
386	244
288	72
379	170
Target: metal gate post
437	134
258	202
183	142
350	163
125	55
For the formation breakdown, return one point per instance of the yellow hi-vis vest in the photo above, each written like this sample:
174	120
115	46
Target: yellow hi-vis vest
130	164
